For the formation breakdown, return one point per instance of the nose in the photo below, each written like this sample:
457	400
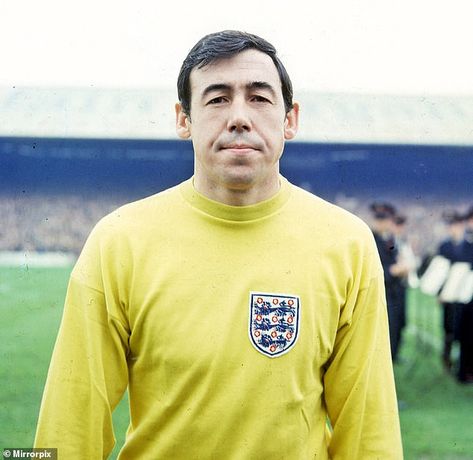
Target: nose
239	119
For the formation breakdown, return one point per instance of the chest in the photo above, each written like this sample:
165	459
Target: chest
189	299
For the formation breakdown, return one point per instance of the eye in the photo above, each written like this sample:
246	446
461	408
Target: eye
259	98
217	100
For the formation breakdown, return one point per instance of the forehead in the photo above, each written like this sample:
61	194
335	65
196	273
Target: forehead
243	68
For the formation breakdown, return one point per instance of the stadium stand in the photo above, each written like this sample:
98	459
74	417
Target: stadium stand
70	155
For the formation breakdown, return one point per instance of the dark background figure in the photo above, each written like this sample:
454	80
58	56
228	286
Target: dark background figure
469	225
465	312
407	259
453	248
394	271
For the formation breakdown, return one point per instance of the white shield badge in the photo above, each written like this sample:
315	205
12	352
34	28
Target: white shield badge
274	322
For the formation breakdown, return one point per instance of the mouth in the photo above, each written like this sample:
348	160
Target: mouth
240	148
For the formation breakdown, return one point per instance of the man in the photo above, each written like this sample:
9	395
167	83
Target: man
408	277
453	248
242	313
469	225
458	318
465	371
395	271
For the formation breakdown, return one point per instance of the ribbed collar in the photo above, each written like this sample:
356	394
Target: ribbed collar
235	213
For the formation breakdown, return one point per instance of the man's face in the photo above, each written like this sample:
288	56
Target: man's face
237	123
384	225
456	230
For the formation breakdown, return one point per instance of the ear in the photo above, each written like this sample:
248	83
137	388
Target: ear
291	123
182	122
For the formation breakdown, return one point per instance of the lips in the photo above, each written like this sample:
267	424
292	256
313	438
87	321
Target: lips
240	148
240	152
239	144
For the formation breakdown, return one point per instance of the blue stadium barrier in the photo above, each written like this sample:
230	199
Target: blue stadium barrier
141	167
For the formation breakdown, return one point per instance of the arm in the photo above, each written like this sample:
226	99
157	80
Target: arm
88	371
359	383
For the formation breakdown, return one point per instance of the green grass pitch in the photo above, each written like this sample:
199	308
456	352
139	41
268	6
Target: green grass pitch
436	412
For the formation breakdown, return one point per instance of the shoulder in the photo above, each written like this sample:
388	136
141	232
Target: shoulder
445	244
337	237
325	214
116	236
468	251
133	222
143	212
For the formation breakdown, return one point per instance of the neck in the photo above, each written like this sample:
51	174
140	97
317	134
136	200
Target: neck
384	233
457	239
233	195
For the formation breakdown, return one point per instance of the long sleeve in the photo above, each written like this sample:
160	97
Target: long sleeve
359	383
88	372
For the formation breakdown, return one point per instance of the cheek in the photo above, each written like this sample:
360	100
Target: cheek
272	120
272	131
205	128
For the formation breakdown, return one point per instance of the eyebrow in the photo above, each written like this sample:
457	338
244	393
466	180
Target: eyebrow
216	87
249	86
261	85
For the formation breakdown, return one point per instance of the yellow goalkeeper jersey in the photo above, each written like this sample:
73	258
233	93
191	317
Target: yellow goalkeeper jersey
238	331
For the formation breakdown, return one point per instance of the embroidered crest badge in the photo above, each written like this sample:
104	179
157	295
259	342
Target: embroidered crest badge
274	322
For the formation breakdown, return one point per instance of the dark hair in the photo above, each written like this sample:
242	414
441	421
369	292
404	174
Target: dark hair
383	210
225	44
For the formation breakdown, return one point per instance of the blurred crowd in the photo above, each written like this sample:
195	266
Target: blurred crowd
48	222
45	222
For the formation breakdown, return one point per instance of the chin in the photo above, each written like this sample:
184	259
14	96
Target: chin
236	173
